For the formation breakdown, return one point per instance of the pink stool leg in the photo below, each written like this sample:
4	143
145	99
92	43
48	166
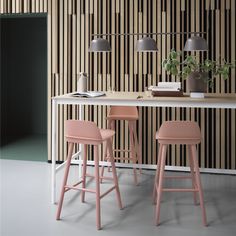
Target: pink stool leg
84	172
157	175
160	182
97	180
133	154
114	174
105	157
199	185
111	125
71	146
137	147
191	165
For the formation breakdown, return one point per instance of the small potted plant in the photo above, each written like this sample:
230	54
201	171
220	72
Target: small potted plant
200	74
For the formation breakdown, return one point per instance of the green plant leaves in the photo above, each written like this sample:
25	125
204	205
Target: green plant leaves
172	63
174	71
190	64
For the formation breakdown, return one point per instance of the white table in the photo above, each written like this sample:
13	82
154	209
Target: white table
131	99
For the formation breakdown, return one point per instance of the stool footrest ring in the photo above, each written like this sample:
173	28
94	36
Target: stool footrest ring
179	190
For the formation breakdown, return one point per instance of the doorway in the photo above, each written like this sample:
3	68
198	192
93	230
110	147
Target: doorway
23	68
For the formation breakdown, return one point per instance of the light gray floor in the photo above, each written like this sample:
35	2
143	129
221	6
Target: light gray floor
26	210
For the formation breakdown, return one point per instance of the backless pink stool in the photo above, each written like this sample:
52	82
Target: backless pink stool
87	133
178	132
129	114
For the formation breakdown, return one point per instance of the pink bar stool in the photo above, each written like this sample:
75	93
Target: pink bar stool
178	132
87	133
129	114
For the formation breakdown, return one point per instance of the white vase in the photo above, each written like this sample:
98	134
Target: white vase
82	82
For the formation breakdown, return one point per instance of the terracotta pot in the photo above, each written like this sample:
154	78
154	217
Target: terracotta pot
197	82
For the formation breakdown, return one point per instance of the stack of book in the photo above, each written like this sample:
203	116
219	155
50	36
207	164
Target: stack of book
167	89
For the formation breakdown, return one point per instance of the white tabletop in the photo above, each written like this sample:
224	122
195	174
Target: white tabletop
140	99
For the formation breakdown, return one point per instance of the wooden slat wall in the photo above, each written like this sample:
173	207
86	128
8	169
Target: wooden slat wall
70	26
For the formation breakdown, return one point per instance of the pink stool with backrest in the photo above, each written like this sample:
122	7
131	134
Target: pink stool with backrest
129	114
87	133
178	132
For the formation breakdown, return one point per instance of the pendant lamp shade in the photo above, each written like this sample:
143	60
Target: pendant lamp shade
146	44
196	43
99	45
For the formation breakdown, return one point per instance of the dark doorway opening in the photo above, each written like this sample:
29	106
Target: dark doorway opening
23	69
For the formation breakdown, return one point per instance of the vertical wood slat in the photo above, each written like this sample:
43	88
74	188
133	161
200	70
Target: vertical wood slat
113	44
135	37
105	65
78	37
1	7
121	47
25	10
95	56
37	5
66	67
204	112
217	120
139	82
86	36
45	5
33	5
61	74
18	6
73	73
233	85
131	47
222	85
168	42
146	9
154	82
69	37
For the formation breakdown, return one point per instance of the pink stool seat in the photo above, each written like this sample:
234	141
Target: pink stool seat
123	113
130	114
178	132
106	134
87	133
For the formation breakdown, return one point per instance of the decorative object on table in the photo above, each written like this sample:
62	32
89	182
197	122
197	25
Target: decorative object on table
167	89
200	74
82	82
197	84
89	94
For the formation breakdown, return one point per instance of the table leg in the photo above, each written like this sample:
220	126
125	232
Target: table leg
81	149
54	150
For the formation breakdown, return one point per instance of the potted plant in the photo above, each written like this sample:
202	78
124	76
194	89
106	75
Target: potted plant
200	74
